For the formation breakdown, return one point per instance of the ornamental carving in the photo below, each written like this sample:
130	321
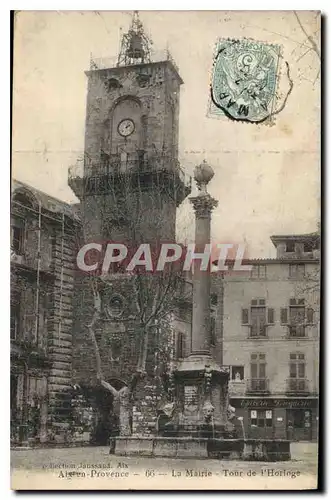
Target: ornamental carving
203	205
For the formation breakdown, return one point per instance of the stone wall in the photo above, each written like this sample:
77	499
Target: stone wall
60	315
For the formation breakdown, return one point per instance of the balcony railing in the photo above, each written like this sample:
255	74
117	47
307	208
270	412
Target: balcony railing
28	262
112	62
93	173
237	387
258	385
296	331
258	331
28	340
297	385
114	165
16	257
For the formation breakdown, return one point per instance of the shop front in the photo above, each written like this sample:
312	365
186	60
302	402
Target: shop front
272	418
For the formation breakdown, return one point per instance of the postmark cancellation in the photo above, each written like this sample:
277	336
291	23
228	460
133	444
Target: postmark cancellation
245	83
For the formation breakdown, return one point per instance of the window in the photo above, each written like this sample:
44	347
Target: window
259	271
213	299
258	372
298	418
111	84
297	318
17	235
180	345
29	315
261	418
258	302
283	316
297	271
308	247
42	318
143	79
115	306
244	317
104	159
271	316
297	365
290	247
213	330
258	318
297	380
294	302
15	311
29	318
237	373
310	316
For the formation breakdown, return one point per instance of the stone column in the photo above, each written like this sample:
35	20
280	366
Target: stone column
203	205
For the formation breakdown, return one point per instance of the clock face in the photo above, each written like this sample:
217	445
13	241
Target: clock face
126	127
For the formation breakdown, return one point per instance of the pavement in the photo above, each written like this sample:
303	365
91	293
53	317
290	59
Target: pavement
94	468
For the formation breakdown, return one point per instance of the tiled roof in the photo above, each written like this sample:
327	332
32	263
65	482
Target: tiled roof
277	238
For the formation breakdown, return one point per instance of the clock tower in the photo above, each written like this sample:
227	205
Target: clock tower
129	184
131	169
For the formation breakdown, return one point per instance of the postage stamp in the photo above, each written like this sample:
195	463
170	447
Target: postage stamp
244	80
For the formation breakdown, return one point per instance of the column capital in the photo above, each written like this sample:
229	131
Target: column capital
203	205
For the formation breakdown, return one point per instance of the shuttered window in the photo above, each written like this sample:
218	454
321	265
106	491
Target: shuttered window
310	316
283	316
271	316
244	316
180	345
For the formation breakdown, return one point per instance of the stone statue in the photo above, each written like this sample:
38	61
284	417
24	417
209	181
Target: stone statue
165	415
208	411
231	412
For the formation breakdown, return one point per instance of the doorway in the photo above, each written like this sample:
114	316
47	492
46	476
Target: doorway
106	424
298	425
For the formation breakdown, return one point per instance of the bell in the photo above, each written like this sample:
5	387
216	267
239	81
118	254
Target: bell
135	49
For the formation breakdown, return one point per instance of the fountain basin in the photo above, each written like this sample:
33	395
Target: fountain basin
265	450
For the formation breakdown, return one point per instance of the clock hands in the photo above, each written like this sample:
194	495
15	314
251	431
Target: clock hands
126	127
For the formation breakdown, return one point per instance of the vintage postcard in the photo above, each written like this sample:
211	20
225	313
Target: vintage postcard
165	250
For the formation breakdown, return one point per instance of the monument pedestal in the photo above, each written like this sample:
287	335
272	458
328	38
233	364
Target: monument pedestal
200	400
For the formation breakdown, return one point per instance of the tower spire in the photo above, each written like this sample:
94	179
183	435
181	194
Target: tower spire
135	44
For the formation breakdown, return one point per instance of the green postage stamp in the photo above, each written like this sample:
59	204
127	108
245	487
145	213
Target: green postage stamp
244	80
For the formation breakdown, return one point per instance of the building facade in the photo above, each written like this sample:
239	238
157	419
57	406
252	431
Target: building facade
270	328
42	267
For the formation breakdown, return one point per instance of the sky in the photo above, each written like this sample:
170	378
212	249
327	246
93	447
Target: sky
267	176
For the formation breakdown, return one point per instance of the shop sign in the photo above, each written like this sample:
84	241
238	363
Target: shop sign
274	403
